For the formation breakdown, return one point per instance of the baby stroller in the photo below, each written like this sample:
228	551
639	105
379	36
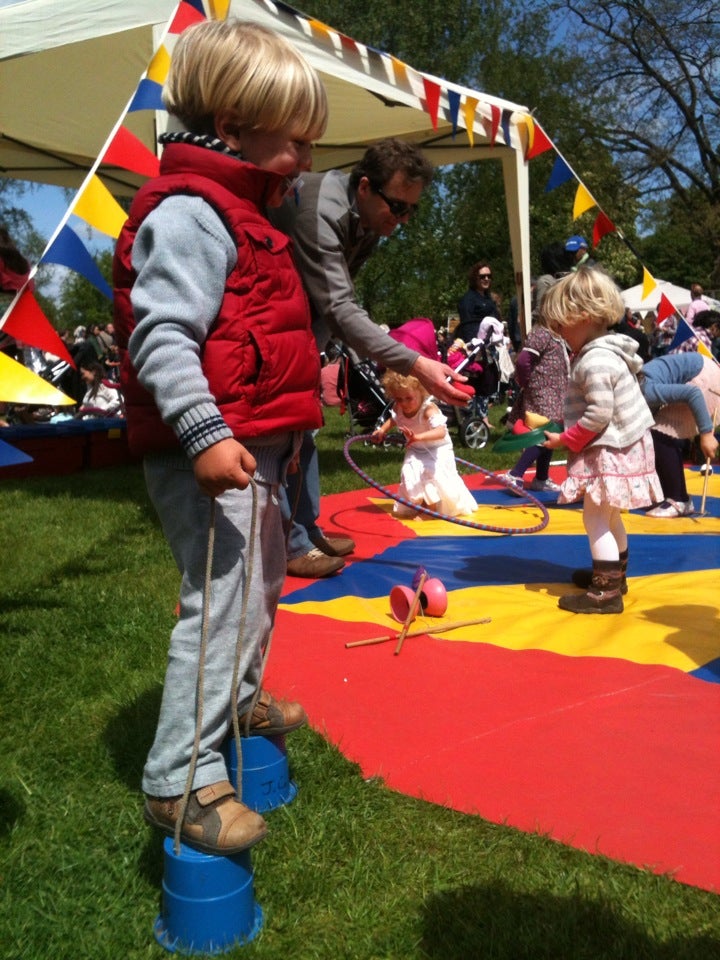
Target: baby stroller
479	361
361	393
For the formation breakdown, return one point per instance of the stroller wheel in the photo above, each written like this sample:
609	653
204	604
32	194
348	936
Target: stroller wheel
474	433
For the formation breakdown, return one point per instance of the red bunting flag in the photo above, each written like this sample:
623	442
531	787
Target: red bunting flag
126	151
491	128
185	17
432	100
540	142
28	323
603	226
665	309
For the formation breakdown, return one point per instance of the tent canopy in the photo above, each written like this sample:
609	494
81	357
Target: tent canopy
68	72
633	297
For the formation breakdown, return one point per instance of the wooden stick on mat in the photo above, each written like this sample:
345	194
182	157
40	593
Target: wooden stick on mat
445	628
411	612
708	470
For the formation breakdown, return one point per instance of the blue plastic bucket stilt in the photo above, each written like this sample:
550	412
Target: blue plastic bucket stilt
208	903
266	782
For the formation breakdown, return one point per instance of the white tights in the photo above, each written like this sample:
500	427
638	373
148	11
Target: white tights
605	530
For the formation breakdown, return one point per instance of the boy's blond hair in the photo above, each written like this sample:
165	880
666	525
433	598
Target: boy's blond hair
394	382
588	294
220	65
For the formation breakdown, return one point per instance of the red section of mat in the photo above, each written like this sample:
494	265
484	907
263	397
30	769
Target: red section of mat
604	755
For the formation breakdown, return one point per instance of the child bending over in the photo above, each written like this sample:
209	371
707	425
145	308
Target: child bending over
429	475
611	464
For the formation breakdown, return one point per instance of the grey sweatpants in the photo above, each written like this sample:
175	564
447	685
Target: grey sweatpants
185	515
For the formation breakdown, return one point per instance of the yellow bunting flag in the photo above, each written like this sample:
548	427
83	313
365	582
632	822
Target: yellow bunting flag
220	9
583	201
97	206
399	69
704	350
649	283
20	385
159	66
469	114
320	28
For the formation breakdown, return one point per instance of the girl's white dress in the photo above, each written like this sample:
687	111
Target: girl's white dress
429	473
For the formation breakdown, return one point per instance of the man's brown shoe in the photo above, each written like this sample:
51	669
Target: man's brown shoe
334	546
314	564
215	821
272	718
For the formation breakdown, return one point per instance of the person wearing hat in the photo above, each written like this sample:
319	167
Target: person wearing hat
578	247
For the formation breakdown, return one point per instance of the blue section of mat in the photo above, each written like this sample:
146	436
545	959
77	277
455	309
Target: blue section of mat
484	561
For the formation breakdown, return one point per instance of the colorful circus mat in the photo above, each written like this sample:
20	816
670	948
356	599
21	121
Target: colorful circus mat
601	731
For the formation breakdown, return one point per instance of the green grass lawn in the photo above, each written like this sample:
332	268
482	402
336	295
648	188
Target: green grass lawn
349	869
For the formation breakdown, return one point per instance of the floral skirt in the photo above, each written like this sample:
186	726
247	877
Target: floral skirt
623	478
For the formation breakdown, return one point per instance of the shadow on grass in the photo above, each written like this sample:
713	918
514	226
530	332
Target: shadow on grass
499	923
128	737
12	810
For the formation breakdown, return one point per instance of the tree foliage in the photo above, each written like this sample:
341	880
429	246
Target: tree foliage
652	96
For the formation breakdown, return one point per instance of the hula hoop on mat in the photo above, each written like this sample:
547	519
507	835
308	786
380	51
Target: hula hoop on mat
442	516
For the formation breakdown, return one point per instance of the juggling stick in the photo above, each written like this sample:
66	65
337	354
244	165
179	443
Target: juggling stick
411	612
707	471
418	633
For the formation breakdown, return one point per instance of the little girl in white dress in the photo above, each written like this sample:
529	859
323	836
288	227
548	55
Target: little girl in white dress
429	475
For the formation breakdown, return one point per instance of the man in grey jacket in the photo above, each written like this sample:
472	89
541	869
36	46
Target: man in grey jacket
336	221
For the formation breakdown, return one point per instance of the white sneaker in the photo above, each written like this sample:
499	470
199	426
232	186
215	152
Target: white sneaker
545	486
672	508
513	484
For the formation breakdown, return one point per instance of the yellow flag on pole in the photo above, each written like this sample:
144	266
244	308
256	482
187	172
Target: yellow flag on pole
583	201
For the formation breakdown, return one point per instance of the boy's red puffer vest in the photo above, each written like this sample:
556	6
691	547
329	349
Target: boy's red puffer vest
260	357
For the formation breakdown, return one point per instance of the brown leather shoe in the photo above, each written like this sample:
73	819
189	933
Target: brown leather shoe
272	717
314	564
334	546
215	821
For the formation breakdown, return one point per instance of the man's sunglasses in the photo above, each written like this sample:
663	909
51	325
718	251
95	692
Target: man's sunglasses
398	208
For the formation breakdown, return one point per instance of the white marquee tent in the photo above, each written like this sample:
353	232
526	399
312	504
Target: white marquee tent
679	297
69	69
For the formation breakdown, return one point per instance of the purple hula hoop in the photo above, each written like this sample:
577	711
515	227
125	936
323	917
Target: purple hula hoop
441	516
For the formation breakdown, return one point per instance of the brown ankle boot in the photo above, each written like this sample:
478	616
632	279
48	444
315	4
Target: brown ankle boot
583	578
604	594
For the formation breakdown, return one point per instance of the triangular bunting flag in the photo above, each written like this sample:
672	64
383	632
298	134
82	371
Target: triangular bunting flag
68	250
28	323
603	226
649	283
128	152
454	104
704	350
97	206
159	66
148	96
583	201
197	5
187	14
540	142
432	100
399	68
505	124
665	308
218	8
469	114
20	385
10	456
491	128
684	332
319	28
559	174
